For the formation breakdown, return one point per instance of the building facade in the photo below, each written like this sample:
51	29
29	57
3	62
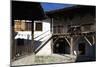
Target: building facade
64	31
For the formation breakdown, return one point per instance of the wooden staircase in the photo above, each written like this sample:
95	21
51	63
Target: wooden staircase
42	45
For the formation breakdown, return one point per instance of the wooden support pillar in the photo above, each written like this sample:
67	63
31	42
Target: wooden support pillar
51	21
52	46
53	43
13	45
32	35
71	46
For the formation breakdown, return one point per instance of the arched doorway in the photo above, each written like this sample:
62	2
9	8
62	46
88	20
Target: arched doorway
86	51
61	47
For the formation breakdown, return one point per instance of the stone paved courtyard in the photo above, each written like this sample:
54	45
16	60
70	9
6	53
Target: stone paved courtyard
54	58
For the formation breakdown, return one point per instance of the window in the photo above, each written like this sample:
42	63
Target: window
38	26
22	25
28	26
17	26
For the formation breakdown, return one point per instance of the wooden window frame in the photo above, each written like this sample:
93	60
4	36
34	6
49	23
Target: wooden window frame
37	26
18	25
28	26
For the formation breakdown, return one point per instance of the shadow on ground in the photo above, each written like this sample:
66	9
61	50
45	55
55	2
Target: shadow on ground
85	59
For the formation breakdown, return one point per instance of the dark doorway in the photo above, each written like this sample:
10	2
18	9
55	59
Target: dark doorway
81	48
20	42
20	47
61	47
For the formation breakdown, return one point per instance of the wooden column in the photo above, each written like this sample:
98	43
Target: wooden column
13	45
52	46
32	35
51	21
71	46
53	43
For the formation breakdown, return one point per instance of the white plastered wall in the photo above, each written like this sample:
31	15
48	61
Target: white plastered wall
45	34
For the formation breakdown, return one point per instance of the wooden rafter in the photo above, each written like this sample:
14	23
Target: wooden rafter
78	34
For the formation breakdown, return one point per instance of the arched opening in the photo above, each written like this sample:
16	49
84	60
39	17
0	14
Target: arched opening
86	51
61	47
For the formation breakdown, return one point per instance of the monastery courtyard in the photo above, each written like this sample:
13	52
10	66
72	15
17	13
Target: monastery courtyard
54	58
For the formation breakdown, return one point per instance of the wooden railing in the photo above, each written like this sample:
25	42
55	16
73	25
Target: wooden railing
72	29
59	29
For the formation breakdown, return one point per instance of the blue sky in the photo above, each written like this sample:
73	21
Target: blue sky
54	6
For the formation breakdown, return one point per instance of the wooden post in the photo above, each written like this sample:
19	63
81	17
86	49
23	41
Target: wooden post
52	25
71	47
52	46
51	30
32	35
13	45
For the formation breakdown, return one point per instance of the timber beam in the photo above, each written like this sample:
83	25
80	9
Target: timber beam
87	40
75	34
68	41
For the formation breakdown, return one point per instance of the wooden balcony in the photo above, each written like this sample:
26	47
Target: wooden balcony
72	31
